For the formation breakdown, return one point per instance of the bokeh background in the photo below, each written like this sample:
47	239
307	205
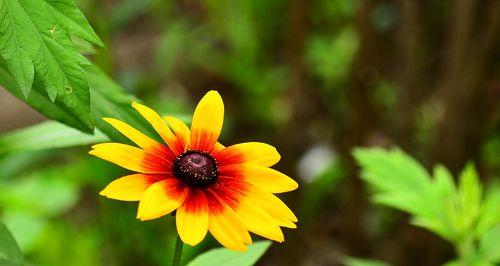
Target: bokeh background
315	79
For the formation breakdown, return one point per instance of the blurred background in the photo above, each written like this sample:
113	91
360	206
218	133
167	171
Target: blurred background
313	78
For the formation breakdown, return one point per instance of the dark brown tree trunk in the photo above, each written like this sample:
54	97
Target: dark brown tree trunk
473	33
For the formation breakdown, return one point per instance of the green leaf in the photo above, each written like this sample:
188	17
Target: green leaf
457	213
489	246
10	254
46	135
470	193
490	214
37	50
40	101
350	261
402	183
225	257
27	228
392	170
110	100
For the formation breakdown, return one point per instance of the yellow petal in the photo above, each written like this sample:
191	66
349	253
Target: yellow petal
180	130
130	187
133	134
131	158
274	206
159	125
207	122
268	179
218	147
249	152
228	230
258	221
161	198
284	222
192	218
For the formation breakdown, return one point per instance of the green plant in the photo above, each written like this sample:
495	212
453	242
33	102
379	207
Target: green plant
464	214
41	63
10	255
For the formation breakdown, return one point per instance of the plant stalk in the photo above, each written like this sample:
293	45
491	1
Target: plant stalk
178	251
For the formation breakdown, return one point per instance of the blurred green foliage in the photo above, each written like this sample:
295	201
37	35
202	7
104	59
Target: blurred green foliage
10	254
293	73
462	214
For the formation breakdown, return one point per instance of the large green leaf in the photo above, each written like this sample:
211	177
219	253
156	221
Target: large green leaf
458	213
225	257
402	183
108	99
46	135
10	254
37	50
40	101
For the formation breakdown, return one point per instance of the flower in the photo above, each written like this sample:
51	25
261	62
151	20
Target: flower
227	191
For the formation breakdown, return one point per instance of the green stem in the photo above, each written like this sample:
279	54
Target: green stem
465	249
178	252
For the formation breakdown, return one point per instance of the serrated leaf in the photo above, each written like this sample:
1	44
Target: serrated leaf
456	213
46	135
39	100
225	257
35	47
397	178
67	13
446	192
470	192
402	183
443	183
108	100
400	171
22	70
10	254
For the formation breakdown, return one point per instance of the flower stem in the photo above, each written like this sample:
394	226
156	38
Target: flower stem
178	252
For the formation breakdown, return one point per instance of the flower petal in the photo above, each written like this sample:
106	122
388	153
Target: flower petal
218	147
133	134
161	198
133	158
249	152
180	130
159	125
274	206
192	218
207	122
228	230
130	187
258	221
269	179
263	177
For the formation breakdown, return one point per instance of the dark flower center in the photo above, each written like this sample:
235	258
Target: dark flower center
196	169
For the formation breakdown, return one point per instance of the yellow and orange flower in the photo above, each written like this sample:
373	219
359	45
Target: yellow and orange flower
225	190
